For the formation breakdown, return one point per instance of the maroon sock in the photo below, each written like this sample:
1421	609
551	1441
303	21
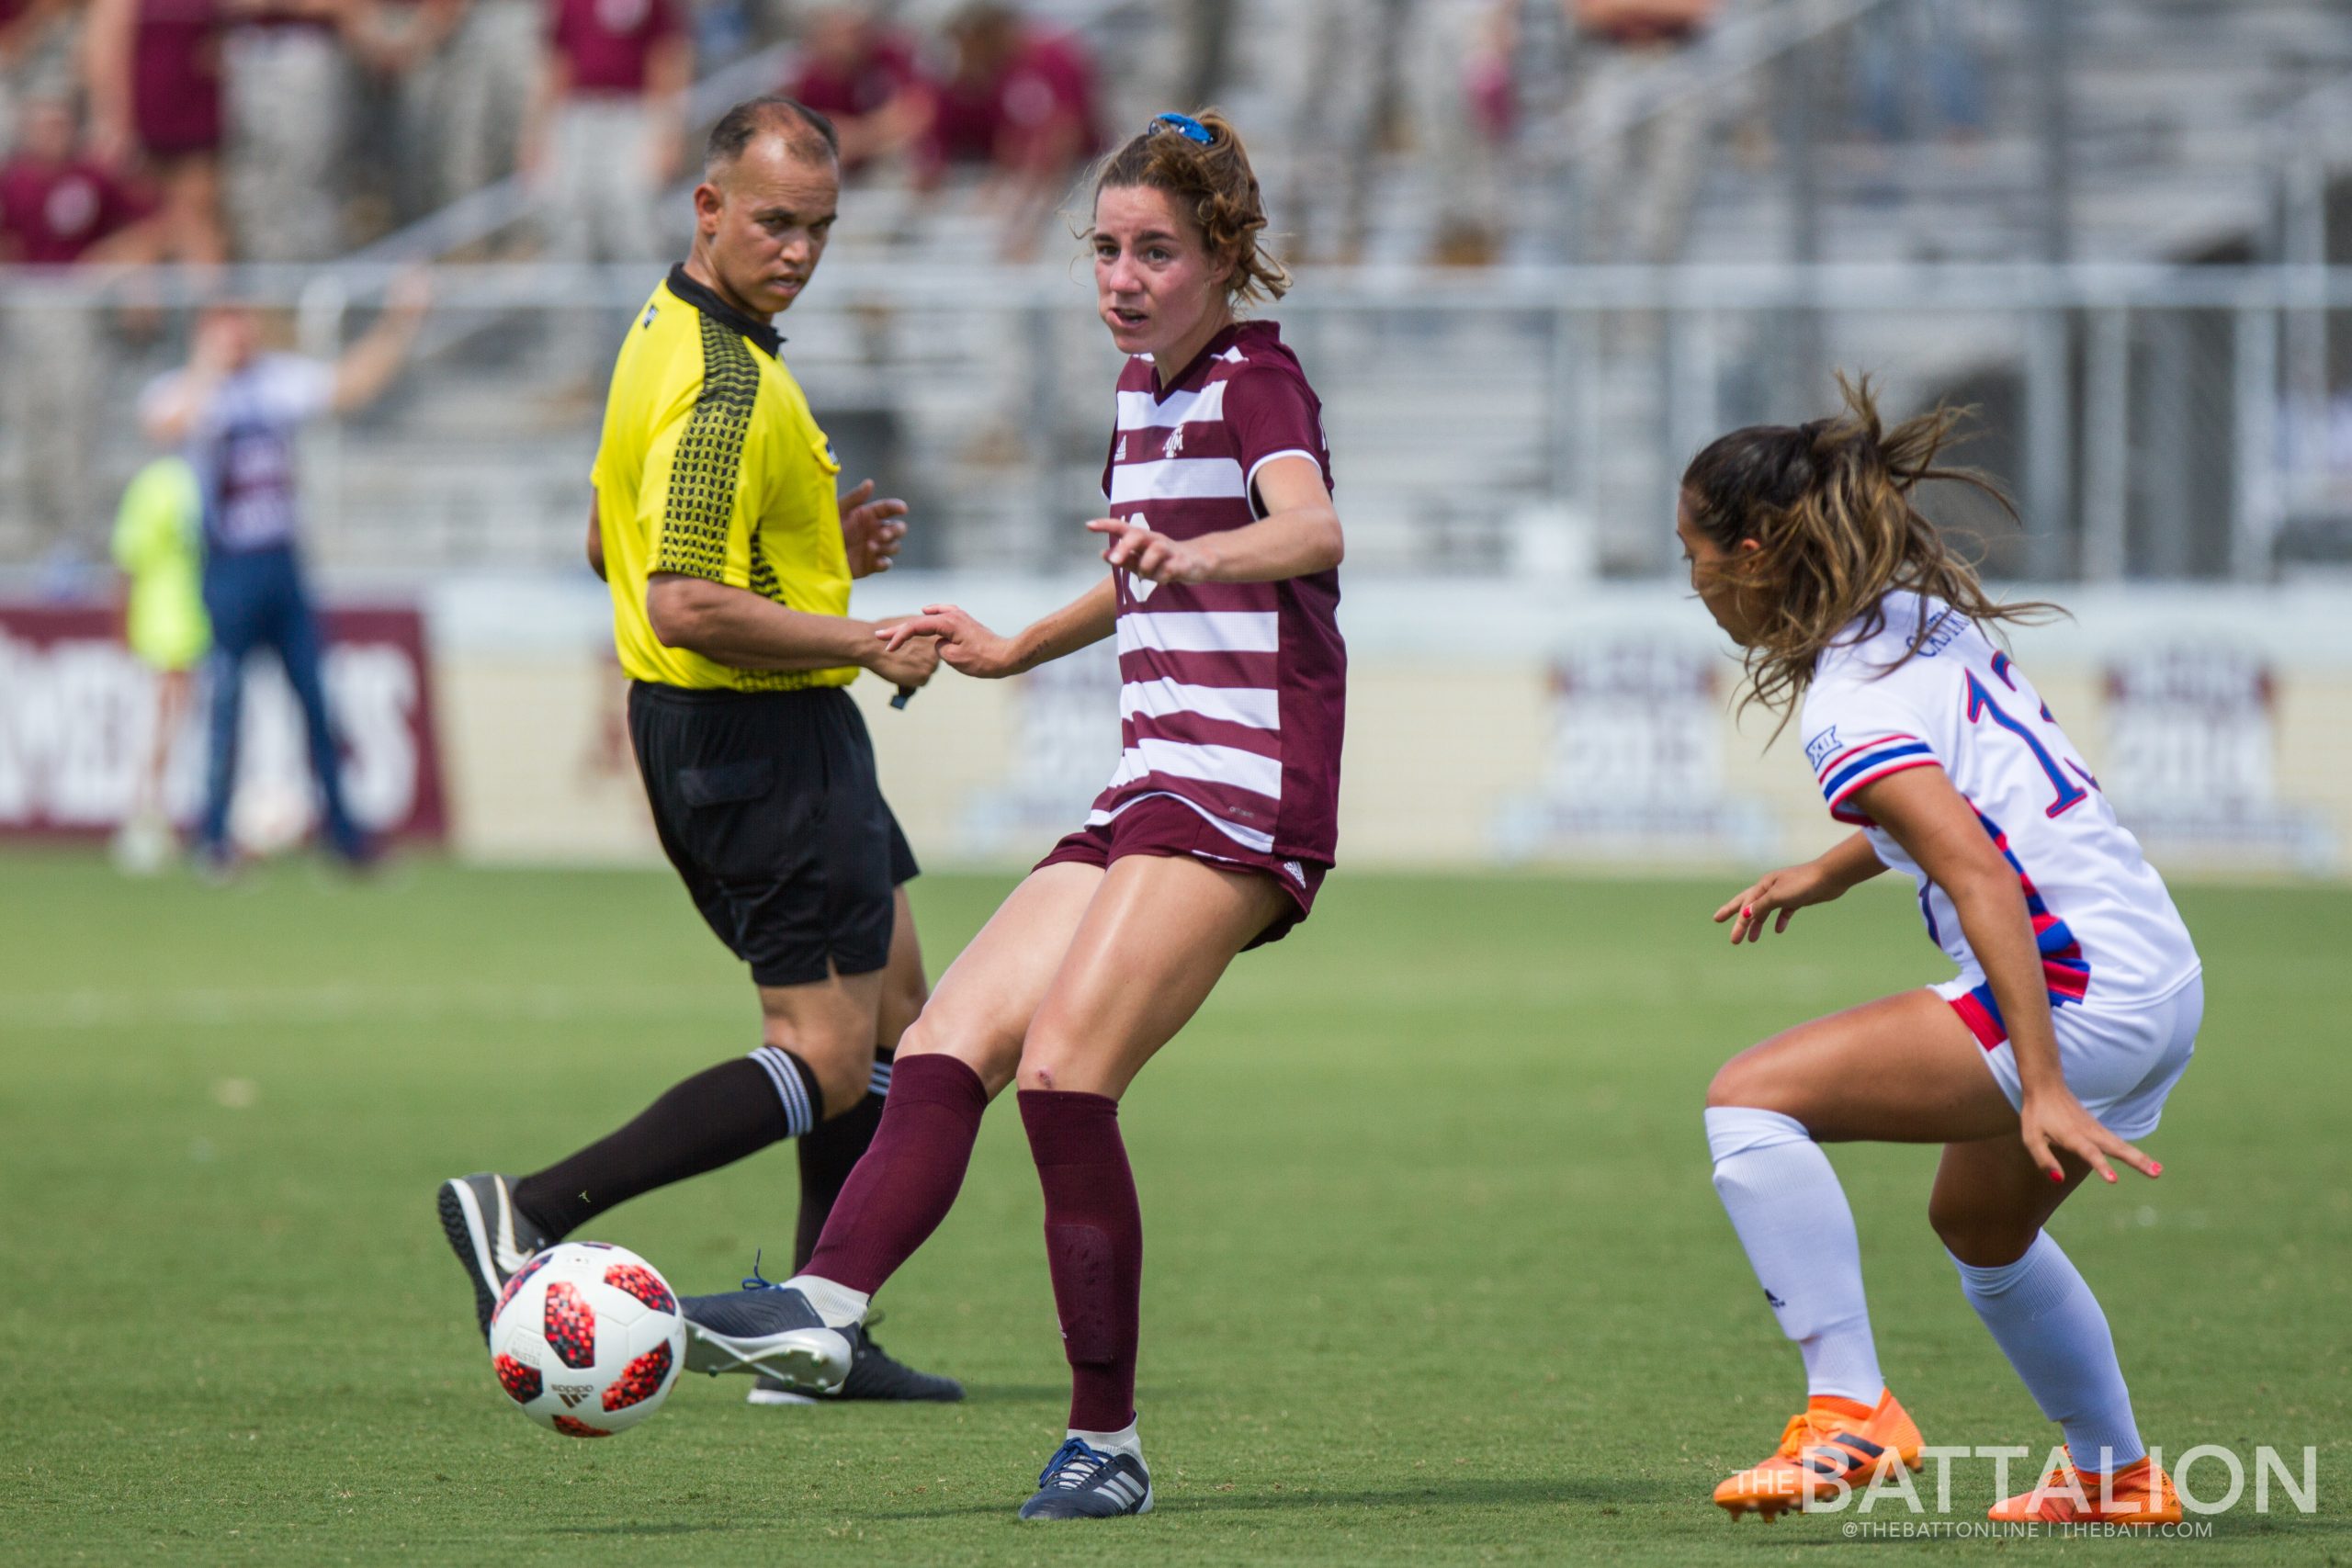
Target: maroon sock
909	1176
1094	1246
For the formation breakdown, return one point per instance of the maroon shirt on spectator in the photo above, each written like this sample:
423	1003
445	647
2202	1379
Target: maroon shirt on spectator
843	94
175	77
608	43
54	213
1049	82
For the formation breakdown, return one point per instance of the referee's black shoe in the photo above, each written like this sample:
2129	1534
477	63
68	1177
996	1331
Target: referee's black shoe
874	1374
491	1238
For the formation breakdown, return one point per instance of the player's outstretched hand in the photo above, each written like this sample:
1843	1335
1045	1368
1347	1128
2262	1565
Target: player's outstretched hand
964	644
2053	1122
1155	558
871	531
1779	894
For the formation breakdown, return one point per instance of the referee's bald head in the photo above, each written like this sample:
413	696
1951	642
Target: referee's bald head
808	136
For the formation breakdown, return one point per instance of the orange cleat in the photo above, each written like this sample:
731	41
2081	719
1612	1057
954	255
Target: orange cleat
1830	1441
2137	1495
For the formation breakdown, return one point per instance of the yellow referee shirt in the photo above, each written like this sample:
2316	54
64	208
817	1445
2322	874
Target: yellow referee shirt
712	465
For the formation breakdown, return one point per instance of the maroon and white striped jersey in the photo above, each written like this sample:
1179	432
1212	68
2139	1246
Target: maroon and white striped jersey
1232	694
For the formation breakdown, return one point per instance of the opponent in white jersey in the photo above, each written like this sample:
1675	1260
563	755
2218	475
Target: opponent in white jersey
2079	988
2109	938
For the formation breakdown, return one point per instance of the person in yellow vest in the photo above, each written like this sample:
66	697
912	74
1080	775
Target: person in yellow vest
158	543
728	551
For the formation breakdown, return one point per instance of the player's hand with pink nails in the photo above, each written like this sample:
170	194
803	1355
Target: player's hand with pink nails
2052	1120
1155	558
871	531
1779	894
964	644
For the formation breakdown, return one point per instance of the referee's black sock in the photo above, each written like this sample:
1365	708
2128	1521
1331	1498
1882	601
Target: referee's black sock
712	1118
829	1153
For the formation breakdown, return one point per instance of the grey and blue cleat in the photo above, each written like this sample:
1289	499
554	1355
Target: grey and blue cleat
1082	1482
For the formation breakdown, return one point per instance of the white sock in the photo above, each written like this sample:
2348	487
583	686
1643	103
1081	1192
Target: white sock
837	1305
2049	1326
1793	1218
1123	1441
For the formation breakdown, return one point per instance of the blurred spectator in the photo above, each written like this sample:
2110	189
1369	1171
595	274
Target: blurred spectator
158	545
607	128
1349	65
1020	100
1465	110
864	77
287	79
492	72
1641	181
58	207
153	71
408	49
1914	70
233	411
30	32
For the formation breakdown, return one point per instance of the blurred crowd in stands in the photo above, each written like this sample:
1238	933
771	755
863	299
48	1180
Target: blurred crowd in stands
292	130
300	130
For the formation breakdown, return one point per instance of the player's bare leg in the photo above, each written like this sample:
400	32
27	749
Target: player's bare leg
1156	937
1990	1203
830	1025
830	1152
908	1180
1902	1069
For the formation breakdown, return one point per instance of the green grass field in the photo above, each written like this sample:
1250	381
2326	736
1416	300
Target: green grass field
1435	1271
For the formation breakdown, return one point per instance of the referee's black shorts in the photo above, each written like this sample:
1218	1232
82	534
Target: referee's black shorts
768	806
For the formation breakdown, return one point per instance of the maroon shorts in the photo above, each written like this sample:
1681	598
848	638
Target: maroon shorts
1160	825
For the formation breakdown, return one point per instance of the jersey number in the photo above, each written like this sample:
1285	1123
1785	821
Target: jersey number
1981	705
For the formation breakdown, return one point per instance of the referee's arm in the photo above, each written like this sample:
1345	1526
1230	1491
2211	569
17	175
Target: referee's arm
694	512
738	627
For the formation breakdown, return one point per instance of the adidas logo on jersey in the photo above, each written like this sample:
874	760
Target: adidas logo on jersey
1119	454
651	312
1175	443
1297	872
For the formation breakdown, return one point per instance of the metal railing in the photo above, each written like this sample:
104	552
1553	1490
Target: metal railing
2153	420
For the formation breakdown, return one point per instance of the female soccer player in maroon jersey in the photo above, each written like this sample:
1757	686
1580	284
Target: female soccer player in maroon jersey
1212	836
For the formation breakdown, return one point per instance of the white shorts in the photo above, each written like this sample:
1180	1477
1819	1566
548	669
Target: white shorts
2120	1061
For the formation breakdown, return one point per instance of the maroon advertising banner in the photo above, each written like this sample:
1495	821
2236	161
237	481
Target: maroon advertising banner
78	714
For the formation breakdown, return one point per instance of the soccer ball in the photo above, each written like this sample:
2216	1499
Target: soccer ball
587	1339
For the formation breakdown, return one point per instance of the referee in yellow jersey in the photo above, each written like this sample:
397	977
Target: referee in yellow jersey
729	558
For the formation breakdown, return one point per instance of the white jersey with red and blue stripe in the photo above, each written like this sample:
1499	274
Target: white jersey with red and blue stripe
2109	933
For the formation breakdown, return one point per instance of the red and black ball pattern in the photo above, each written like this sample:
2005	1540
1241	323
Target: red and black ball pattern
640	1380
570	1326
514	1280
570	1427
519	1380
643	1284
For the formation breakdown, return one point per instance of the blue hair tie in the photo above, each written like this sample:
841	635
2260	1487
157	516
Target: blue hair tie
1185	126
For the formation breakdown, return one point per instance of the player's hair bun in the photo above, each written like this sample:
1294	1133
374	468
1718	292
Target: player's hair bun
1213	179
